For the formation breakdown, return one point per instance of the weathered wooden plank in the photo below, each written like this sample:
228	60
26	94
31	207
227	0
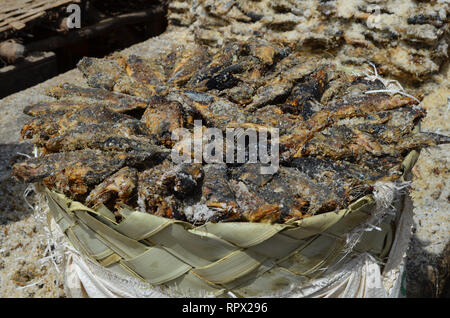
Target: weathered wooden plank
32	70
15	14
33	6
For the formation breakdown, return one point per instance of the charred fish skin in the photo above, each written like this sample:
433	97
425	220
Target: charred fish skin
117	102
39	129
348	180
287	194
130	134
101	73
47	108
216	202
293	144
186	64
215	111
183	180
245	183
42	128
73	173
114	74
341	142
147	74
220	61
236	63
154	195
391	126
109	144
306	94
310	197
164	189
422	140
162	121
35	169
106	143
121	187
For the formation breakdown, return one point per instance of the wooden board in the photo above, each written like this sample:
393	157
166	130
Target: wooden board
34	69
15	14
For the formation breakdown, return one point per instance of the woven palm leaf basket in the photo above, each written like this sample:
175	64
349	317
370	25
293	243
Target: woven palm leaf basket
323	255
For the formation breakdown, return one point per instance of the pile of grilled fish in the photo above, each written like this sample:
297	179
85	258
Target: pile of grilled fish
110	144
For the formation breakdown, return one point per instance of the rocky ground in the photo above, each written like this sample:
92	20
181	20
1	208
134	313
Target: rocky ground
428	258
26	272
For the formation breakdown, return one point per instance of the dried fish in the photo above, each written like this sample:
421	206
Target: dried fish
128	136
185	64
101	73
116	189
75	173
144	72
289	193
56	123
109	144
161	121
46	108
156	196
117	102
